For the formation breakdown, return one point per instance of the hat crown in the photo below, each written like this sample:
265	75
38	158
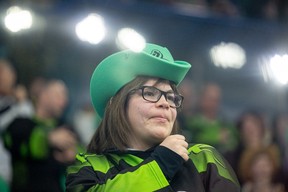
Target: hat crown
158	52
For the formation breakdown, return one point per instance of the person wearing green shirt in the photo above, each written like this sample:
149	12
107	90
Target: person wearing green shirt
137	146
207	124
41	148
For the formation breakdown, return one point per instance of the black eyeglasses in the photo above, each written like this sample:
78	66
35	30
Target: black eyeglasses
152	94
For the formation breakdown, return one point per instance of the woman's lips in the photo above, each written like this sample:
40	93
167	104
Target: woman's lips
160	118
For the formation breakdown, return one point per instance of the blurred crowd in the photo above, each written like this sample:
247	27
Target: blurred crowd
255	9
254	144
37	143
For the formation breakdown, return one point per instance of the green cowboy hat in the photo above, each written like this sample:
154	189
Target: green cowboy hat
122	67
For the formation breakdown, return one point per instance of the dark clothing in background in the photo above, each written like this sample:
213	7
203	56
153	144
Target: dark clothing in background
34	168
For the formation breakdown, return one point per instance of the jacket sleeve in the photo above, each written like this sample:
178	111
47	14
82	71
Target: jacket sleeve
215	172
96	173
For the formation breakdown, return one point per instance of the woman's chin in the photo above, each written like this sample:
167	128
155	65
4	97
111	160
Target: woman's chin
161	135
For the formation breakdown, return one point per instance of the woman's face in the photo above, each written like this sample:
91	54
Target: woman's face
262	168
151	122
251	130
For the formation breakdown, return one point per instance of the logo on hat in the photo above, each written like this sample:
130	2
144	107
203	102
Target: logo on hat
157	53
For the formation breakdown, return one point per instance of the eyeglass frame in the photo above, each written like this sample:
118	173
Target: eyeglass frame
161	93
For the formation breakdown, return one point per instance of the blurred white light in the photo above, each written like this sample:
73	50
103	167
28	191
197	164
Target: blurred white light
91	29
129	38
17	19
228	55
279	68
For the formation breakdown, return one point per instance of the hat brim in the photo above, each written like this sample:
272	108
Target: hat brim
120	68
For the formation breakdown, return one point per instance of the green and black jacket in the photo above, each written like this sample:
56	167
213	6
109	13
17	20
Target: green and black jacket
157	169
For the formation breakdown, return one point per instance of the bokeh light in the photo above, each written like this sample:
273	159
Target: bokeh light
228	55
91	29
131	39
18	19
279	68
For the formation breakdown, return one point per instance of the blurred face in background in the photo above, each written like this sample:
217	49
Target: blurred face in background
252	131
210	100
281	129
54	98
7	78
187	89
262	167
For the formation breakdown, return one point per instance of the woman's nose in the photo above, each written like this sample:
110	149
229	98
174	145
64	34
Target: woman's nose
163	102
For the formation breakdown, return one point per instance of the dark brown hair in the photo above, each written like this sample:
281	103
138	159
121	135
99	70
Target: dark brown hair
114	129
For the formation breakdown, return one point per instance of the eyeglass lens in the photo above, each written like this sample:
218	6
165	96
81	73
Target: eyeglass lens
153	94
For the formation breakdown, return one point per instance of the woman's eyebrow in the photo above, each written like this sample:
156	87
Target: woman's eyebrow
170	91
167	91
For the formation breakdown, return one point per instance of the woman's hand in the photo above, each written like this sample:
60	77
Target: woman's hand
177	144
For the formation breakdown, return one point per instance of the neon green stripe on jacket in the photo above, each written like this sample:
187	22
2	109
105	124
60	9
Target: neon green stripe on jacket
146	176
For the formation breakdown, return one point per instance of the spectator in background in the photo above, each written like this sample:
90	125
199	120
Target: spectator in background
260	9
280	137
253	137
262	167
13	98
223	8
206	126
187	89
40	148
14	102
35	87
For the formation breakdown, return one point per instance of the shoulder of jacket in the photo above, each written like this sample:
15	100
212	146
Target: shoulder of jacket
203	155
201	148
91	158
94	161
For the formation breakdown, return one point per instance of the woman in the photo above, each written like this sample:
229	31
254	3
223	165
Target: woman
263	167
252	136
137	146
